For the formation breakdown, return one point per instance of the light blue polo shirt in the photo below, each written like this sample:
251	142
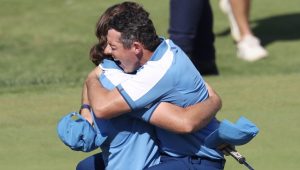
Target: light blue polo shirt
170	76
131	142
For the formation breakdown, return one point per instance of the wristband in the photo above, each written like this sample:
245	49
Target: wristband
85	106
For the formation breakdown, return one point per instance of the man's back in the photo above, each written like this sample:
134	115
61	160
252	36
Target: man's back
174	79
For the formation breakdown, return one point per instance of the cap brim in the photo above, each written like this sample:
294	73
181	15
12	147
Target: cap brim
239	133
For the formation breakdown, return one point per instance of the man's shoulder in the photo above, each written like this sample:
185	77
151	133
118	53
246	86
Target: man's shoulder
109	64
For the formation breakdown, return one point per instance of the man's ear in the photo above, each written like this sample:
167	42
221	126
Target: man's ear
137	47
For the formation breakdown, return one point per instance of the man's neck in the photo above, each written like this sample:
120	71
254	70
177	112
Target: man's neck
146	56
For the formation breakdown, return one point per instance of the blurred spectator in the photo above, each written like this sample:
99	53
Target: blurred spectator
191	28
248	46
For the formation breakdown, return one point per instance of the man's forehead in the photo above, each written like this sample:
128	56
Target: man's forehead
113	34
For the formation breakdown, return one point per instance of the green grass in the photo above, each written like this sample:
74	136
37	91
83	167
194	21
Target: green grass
44	49
271	102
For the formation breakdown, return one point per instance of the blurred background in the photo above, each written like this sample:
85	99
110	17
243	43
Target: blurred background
44	47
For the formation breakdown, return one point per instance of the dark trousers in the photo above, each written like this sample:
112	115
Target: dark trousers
94	162
188	163
191	28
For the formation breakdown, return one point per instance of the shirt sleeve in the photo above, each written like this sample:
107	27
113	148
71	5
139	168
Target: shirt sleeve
149	85
145	113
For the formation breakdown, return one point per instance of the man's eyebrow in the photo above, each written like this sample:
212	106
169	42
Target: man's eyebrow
109	43
112	45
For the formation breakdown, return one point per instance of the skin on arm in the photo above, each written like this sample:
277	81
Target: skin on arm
186	120
84	100
106	104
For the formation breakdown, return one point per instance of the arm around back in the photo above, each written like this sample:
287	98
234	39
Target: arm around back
186	120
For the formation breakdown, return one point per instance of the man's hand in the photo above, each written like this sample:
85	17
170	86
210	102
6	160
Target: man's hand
95	73
87	115
225	148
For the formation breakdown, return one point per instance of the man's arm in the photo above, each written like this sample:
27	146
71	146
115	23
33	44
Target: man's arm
84	100
186	120
108	104
105	103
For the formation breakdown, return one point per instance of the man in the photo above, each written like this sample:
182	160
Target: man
161	72
130	142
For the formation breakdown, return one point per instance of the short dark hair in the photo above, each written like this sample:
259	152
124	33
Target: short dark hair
134	24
